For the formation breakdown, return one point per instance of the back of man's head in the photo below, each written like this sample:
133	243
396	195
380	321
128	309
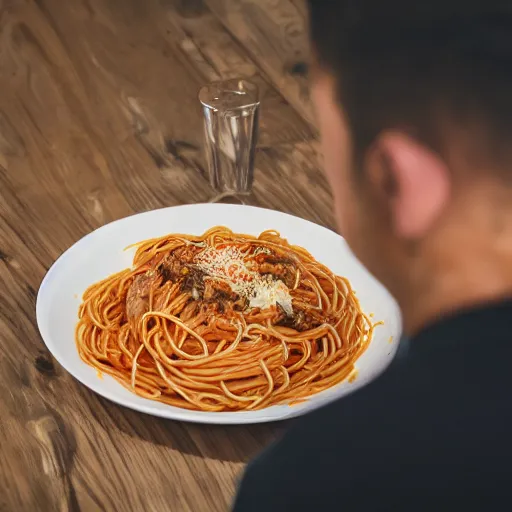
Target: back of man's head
420	145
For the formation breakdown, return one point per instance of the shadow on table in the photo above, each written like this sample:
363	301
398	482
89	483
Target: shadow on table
235	443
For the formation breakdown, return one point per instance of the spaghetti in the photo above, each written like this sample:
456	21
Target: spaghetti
223	322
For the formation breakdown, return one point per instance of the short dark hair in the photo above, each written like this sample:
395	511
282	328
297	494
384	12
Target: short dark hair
405	64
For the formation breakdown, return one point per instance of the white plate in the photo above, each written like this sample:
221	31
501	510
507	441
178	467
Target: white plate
102	253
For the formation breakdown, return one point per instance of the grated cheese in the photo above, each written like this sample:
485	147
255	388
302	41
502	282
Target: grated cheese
229	264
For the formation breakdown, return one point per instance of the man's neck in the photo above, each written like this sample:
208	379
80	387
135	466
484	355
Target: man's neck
482	275
430	313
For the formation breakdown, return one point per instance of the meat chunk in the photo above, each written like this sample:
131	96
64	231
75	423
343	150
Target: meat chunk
137	298
286	272
301	320
219	296
241	304
170	268
193	282
218	291
177	264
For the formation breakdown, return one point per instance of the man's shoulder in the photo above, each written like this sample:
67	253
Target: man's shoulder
409	416
326	449
437	424
376	407
374	414
392	391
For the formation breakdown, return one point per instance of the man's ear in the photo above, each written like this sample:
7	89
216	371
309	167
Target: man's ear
412	179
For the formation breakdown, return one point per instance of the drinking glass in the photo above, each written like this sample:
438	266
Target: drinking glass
231	115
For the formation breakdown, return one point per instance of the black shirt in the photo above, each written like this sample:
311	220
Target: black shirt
434	432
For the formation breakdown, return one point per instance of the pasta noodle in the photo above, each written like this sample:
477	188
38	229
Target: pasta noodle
223	322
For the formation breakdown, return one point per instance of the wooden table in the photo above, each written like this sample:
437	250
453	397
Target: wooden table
99	119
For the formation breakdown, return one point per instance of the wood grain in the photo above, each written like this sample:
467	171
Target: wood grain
99	119
273	32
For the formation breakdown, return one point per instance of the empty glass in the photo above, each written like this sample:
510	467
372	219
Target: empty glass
231	111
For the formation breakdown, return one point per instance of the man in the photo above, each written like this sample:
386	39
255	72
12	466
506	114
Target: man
414	105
